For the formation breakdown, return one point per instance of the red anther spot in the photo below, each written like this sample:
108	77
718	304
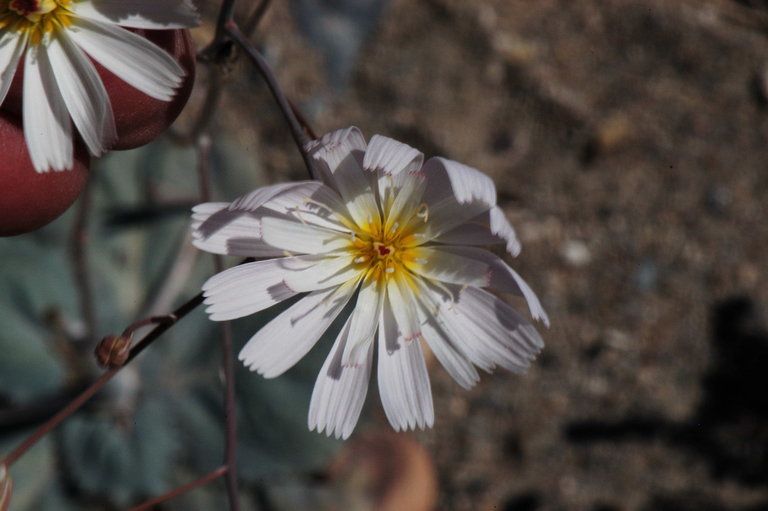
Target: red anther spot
25	7
383	250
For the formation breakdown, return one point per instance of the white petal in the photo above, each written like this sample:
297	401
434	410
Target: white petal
11	48
257	198
471	266
132	58
296	237
488	228
47	127
466	184
487	330
455	194
236	228
252	287
402	200
310	202
403	304
286	339
449	356
149	14
391	157
322	273
83	92
220	230
403	379
330	149
339	156
446	265
364	321
339	392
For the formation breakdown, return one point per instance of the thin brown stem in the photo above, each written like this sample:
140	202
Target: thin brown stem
203	146
303	121
299	137
54	421
255	18
99	383
182	489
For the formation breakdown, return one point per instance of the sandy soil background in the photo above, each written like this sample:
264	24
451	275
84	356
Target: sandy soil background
628	142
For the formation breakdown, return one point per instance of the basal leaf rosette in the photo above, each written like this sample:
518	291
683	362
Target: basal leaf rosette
390	246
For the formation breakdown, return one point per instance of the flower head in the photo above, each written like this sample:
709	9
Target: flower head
389	242
53	40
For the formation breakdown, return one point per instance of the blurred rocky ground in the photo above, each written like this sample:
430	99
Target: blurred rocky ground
629	143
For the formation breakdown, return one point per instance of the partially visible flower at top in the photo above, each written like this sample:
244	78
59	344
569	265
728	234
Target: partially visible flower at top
53	39
390	245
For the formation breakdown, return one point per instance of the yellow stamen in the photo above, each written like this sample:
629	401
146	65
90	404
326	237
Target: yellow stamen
37	18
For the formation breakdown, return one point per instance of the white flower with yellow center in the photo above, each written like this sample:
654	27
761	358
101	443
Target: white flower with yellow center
55	39
388	244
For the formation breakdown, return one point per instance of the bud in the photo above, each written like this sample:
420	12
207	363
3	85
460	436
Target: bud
6	488
113	351
28	199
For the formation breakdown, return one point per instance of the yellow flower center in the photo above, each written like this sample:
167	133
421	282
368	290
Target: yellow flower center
37	18
386	253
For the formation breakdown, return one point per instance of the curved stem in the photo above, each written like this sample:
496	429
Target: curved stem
100	382
299	137
181	489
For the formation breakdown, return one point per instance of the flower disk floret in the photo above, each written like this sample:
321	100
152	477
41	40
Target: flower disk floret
393	244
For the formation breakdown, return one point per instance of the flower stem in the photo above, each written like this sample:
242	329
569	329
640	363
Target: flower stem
299	137
182	489
203	146
100	382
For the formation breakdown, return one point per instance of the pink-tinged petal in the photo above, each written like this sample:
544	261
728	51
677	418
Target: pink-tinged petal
438	263
134	59
246	289
340	390
454	195
252	287
235	228
339	157
390	157
220	230
286	339
309	202
11	49
83	93
391	161
488	228
295	237
47	127
147	14
332	148
464	183
450	357
402	201
403	379
487	330
401	301
363	321
471	266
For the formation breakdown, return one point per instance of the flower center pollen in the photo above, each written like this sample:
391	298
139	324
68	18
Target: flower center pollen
32	9
34	17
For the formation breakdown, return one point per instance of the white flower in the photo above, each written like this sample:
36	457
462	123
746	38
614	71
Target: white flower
389	245
55	38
